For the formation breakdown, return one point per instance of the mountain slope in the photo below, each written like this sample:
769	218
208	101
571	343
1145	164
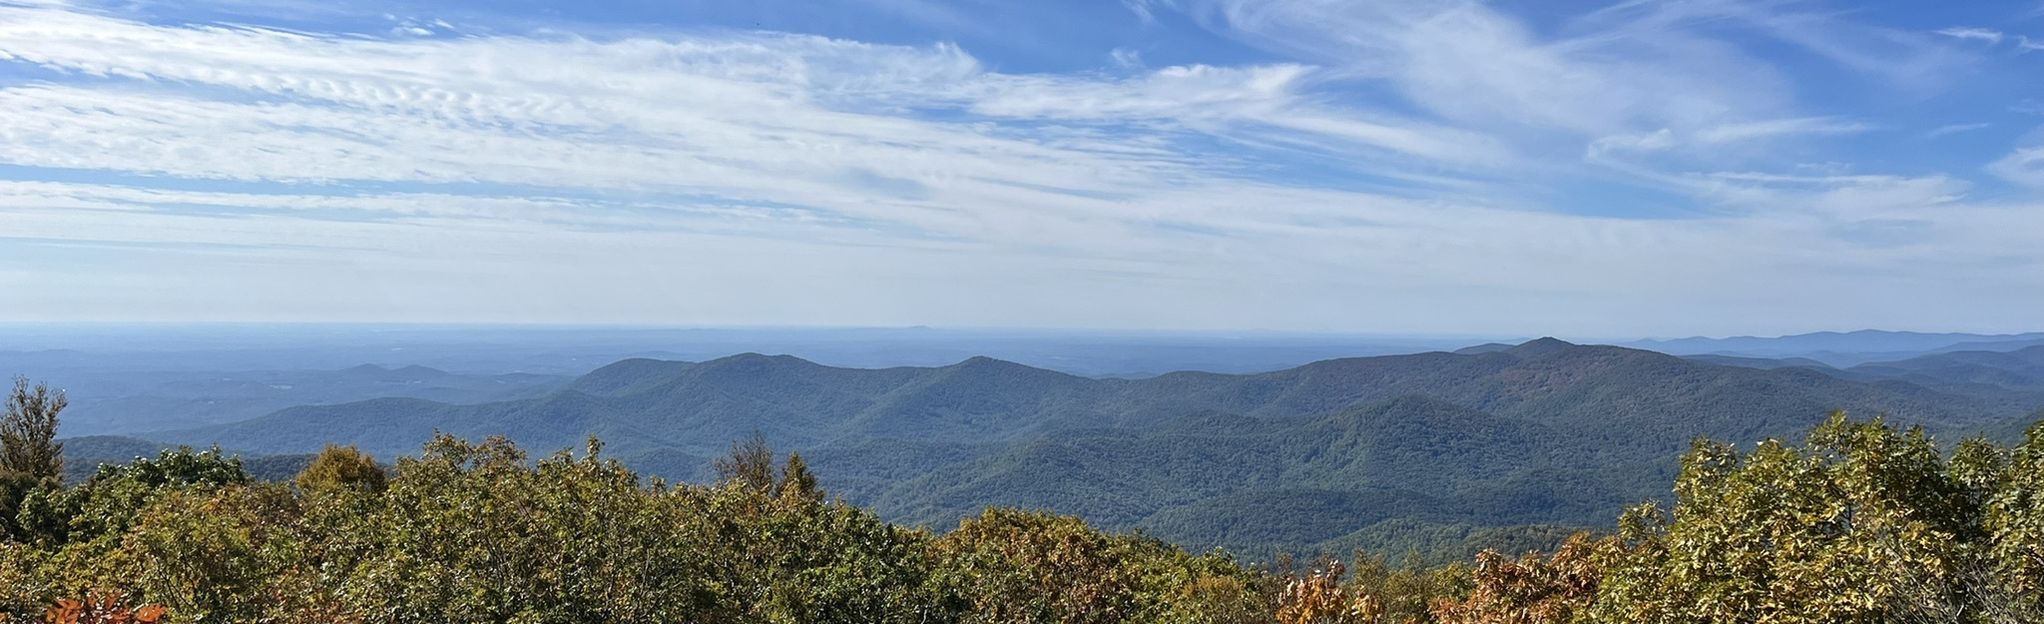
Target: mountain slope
1755	362
129	401
1843	349
1862	341
2019	370
1543	432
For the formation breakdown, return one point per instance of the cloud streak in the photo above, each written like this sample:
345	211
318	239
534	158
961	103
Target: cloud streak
1402	159
1989	37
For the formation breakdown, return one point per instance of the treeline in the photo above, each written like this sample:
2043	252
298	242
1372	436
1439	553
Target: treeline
1861	523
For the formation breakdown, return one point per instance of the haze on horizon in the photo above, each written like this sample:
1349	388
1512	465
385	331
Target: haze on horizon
1641	168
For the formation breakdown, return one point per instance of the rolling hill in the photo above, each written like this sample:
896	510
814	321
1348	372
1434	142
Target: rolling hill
1544	432
83	455
1755	362
111	401
2020	370
1843	349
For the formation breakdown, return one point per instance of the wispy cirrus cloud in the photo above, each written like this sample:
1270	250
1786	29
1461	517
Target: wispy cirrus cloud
1987	36
1146	10
1951	129
2023	166
1775	128
1635	63
1993	38
1412	153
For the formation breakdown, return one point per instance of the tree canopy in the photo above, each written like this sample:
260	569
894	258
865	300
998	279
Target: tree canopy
1860	522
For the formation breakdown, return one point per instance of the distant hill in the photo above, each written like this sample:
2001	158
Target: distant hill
1862	341
1842	348
1755	362
2009	380
84	454
1489	347
2016	344
130	401
1544	432
2012	375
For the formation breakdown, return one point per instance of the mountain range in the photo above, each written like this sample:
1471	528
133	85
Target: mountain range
1843	349
1357	452
104	401
2020	370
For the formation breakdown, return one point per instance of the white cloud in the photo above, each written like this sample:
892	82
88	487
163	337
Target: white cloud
1990	37
1776	128
1958	128
1146	10
746	121
681	99
745	177
1125	58
1658	140
1230	101
2024	166
1712	142
1468	62
1650	90
1633	68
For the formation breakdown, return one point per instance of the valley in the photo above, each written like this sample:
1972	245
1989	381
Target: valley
1514	443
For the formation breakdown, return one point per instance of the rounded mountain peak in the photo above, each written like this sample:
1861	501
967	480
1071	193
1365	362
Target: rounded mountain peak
1541	347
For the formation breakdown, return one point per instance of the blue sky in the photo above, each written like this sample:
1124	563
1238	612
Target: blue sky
1581	168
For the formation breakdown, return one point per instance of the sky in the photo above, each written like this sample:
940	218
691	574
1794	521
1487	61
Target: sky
1633	168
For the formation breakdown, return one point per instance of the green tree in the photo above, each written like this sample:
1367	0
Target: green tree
1019	566
1012	565
797	483
1405	593
82	539
341	467
30	456
28	432
1863	523
474	533
1860	523
749	463
113	499
227	555
2014	521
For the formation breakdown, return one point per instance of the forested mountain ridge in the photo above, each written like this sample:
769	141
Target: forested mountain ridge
1843	349
1543	432
480	532
2021	370
118	400
2014	378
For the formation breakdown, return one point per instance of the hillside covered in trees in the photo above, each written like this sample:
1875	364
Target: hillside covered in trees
1858	523
1509	445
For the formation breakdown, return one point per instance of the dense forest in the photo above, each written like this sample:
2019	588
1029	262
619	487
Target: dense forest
1505	446
1860	522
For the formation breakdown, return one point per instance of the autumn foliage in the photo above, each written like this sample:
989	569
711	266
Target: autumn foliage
1531	589
99	608
1859	523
